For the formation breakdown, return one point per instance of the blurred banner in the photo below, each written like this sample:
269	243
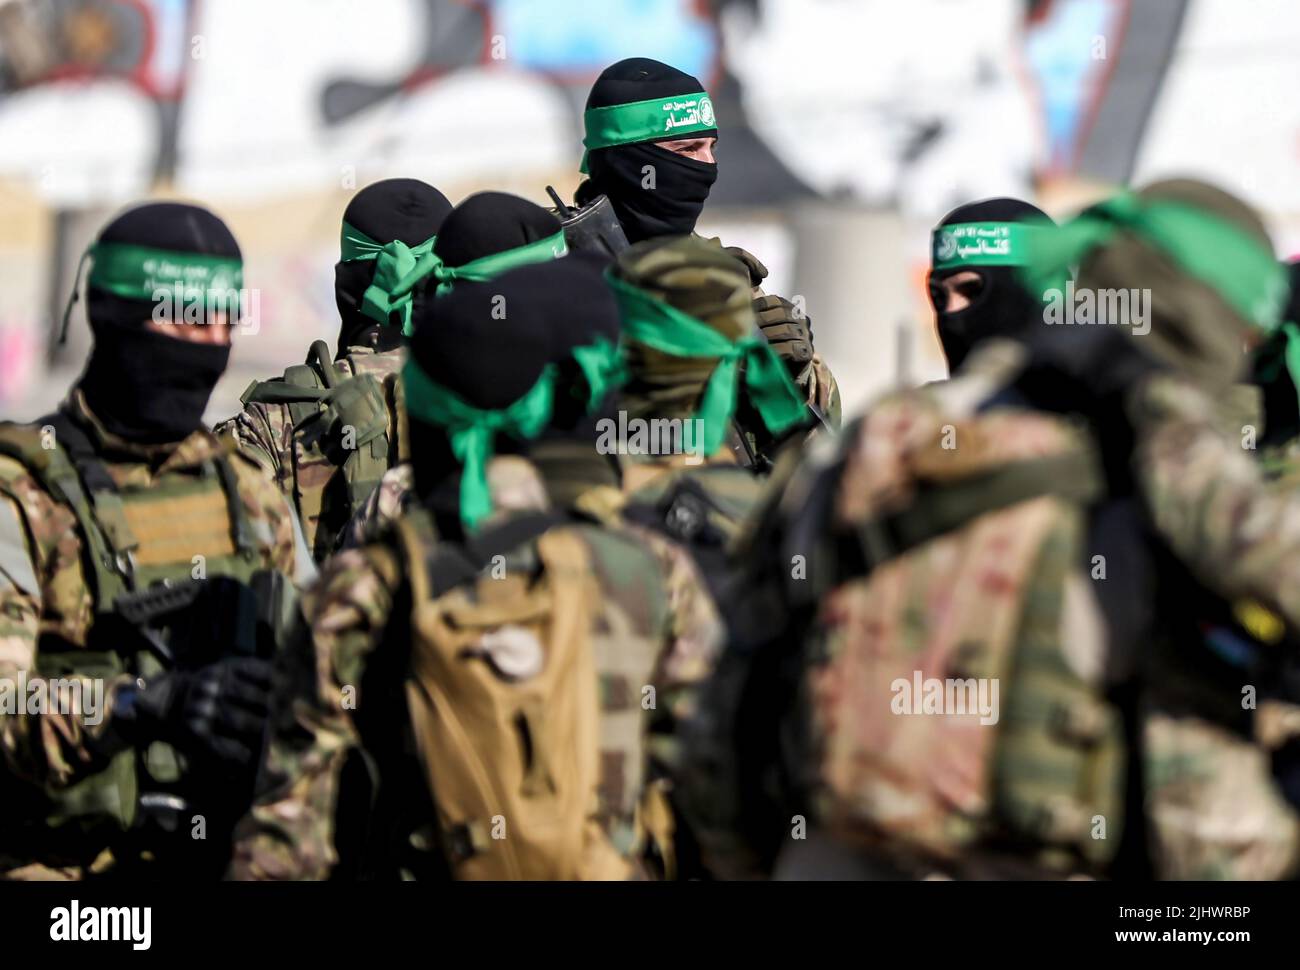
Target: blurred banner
847	128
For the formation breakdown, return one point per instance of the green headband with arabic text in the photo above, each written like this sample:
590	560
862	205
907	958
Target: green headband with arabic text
655	119
148	274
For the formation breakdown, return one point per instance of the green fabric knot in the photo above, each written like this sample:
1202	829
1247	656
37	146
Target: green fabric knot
671	331
472	431
398	268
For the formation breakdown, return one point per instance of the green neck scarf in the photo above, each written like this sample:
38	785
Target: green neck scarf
494	264
1242	272
472	430
656	119
668	330
398	267
154	275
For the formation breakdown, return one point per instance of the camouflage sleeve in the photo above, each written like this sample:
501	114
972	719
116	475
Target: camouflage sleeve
380	509
52	745
276	523
263	433
289	832
692	641
1210	502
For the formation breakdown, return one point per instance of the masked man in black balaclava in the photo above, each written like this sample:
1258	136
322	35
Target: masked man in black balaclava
119	491
650	139
486	235
326	431
975	284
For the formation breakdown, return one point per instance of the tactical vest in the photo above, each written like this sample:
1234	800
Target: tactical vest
136	545
339	421
525	708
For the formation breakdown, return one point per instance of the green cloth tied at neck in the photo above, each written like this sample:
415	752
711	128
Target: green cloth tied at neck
472	430
494	264
1224	257
669	330
398	267
656	119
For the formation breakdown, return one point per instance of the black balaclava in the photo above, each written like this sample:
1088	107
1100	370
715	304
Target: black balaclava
394	209
681	185
143	386
491	222
489	342
1003	306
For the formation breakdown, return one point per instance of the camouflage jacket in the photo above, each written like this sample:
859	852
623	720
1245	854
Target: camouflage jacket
290	832
305	473
1209	499
1232	516
45	594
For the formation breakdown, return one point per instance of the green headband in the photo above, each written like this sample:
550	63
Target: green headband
656	119
398	267
471	430
985	244
494	264
668	330
1224	257
143	273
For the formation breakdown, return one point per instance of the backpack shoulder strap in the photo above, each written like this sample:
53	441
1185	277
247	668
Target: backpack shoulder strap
434	566
1074	476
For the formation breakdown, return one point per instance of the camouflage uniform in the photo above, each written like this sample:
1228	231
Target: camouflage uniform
1238	534
309	473
47	609
651	593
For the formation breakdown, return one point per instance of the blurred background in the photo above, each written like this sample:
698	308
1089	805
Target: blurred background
847	129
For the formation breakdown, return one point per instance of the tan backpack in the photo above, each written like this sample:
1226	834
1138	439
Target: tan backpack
504	702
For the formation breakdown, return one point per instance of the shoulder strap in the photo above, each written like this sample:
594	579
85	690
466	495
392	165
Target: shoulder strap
1073	476
434	567
72	473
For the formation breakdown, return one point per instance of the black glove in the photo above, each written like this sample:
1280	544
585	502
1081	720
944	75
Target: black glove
217	712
